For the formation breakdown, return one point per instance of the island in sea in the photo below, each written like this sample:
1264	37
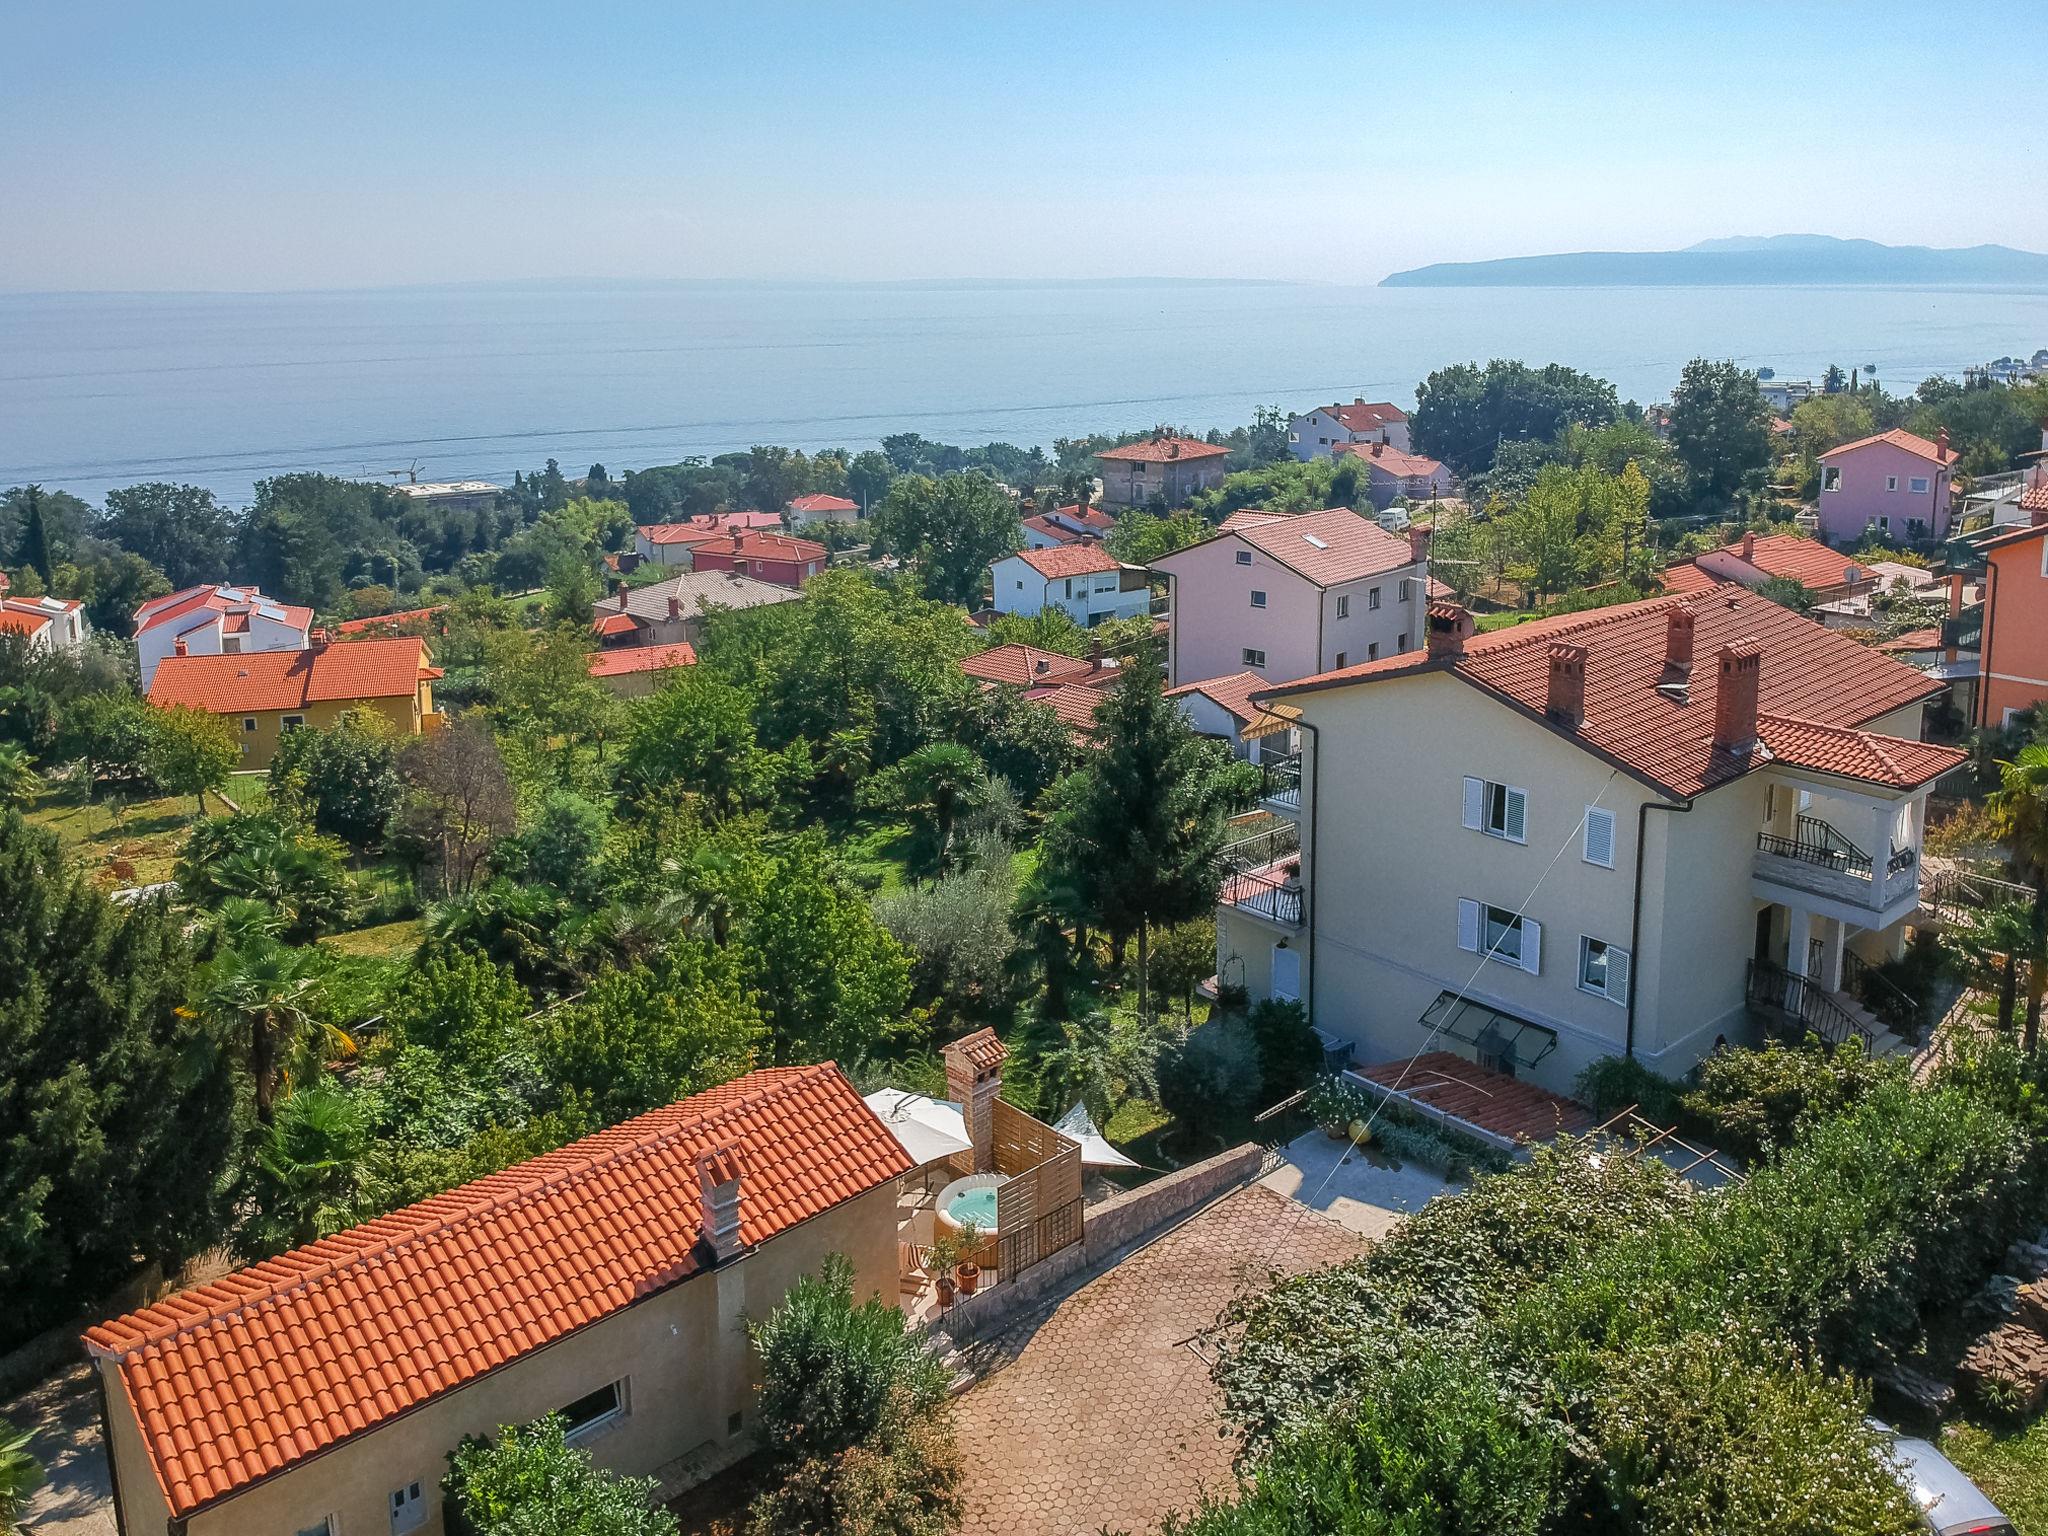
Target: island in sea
1743	261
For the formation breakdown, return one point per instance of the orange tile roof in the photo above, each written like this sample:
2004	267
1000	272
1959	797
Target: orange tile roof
676	533
1329	547
982	1049
753	544
1068	560
1075	703
1808	674
613	621
13	620
1233	693
1914	640
818	501
388	620
626	659
1806	561
1686	578
1057	532
1093	518
1850	754
1161	448
234	1381
1363	416
202	603
1024	666
1493	1101
1391	459
1898	437
383	668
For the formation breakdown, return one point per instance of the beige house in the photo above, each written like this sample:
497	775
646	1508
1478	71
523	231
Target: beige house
319	1394
1163	468
1634	832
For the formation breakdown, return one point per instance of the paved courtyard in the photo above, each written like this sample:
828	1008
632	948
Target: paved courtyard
64	1414
1098	1415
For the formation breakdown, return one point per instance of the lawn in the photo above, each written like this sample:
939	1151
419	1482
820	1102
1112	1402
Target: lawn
135	842
2011	1465
385	941
877	851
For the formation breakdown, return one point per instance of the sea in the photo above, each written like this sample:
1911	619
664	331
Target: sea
475	382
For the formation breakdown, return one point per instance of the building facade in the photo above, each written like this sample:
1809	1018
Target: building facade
216	621
779	559
1163	469
1396	474
1081	580
1286	595
2012	651
50	624
1607	834
1319	433
1895	483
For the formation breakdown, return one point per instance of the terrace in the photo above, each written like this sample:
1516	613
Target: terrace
1262	875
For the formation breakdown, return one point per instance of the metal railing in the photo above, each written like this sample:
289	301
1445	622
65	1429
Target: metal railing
1811	829
1965	632
1819	854
1037	1240
1869	985
1956	894
1262	848
1283	779
1804	1001
1263	894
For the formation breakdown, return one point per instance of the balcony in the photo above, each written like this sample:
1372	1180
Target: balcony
1820	861
1282	789
1262	876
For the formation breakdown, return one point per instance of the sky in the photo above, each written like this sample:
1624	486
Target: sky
188	144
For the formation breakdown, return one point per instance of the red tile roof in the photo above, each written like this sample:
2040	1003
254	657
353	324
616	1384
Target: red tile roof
265	680
1493	1101
676	533
817	501
1075	703
1887	760
1068	560
1233	693
612	621
1808	674
1898	437
1059	533
2035	497
1329	547
1914	640
1024	666
234	1381
1686	579
1159	449
983	1049
1384	456
1806	561
753	544
722	521
202	603
1094	518
388	620
1365	416
15	621
626	659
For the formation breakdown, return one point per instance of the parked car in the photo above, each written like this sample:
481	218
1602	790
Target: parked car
1949	1503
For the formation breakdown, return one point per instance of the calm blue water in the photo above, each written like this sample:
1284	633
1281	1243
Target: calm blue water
977	1206
98	390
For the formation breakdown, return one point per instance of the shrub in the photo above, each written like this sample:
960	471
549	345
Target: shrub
343	779
1612	1083
1290	1055
531	1482
1209	1077
1752	1102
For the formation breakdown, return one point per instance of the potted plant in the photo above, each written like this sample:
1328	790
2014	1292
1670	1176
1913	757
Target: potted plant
967	1273
943	1254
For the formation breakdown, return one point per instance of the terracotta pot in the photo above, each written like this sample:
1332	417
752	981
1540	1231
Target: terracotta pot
968	1276
945	1290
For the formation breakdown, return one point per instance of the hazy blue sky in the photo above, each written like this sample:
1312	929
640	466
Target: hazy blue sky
197	144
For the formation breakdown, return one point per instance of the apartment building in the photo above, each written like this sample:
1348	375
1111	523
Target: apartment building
216	620
1319	433
1636	831
1083	580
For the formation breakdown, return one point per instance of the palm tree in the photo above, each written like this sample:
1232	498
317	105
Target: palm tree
1997	941
2020	807
20	1475
306	1169
941	780
1098	1062
262	993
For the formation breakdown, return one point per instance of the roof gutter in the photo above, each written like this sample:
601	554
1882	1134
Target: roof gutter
1635	921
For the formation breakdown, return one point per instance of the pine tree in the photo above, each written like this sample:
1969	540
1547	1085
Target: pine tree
35	537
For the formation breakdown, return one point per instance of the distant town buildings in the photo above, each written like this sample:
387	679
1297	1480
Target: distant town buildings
1396	474
452	495
1071	524
1163	468
779	559
217	620
1895	482
1755	559
1081	580
820	508
1786	395
672	611
633	671
1322	431
49	624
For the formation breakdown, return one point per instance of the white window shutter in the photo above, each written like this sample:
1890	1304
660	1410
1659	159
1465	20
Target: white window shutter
1599	836
1532	946
1468	922
1475	803
1517	809
1617	974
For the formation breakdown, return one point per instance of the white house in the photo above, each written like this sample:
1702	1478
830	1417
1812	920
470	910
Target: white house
50	623
216	621
1082	580
1322	431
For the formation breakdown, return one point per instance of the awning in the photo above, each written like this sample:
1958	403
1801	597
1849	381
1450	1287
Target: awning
928	1128
1489	1030
1272	718
1096	1152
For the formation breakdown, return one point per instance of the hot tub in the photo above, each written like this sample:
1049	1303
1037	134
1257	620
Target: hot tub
972	1198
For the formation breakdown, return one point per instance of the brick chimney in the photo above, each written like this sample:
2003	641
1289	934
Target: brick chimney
620	593
1749	547
1738	668
1678	639
719	1173
1418	544
178	648
1941	444
1094	655
675	610
735	540
974	1077
1566	700
1449	627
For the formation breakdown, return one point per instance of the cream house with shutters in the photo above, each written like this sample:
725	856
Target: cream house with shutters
1636	831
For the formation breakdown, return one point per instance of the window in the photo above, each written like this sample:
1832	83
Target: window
1830	478
1498	810
1343	657
1403	595
291	722
1344	605
591	1412
1254	658
1891	482
1917	485
322	1527
231	645
1603	970
248	723
408	1509
1258	598
1294	437
1244	557
1402	643
1372	598
1372	651
1500	935
1597	843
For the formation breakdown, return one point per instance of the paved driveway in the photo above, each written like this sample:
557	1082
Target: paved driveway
64	1413
1098	1414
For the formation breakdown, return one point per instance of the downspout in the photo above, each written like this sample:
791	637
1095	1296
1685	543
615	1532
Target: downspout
1983	699
1315	827
1635	921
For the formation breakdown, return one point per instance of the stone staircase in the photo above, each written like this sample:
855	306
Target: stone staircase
1883	1041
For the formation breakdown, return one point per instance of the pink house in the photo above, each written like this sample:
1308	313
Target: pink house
1392	472
1895	483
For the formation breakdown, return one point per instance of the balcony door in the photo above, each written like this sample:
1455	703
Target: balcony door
1286	974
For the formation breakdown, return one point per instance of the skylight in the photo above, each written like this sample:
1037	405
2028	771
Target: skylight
1318	543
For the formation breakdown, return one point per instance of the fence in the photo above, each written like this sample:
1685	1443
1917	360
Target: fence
1038	1207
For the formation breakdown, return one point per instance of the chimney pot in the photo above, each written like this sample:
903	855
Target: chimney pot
1678	639
621	595
719	1177
1941	442
1449	627
1749	546
1418	544
1738	669
1094	655
1566	700
675	610
178	649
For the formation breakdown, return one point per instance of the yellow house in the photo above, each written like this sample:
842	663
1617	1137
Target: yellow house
267	693
319	1393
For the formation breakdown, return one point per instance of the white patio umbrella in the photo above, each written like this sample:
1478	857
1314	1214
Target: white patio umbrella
1096	1152
928	1128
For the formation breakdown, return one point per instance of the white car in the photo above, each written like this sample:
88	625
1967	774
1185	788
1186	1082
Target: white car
1949	1503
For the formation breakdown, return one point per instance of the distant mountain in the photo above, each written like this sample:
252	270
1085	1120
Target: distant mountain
1757	261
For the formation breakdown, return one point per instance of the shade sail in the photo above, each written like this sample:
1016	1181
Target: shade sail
1096	1152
